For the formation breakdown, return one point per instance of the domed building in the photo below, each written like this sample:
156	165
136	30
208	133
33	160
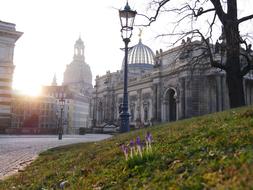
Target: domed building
163	87
77	75
140	60
108	90
76	91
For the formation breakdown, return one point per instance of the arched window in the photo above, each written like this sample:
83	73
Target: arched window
145	114
170	106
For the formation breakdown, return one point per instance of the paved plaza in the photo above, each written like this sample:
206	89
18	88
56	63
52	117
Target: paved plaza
18	151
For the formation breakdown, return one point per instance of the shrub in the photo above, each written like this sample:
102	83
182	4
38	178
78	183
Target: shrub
81	131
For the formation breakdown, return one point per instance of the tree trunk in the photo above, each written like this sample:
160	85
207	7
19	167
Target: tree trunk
233	68
235	90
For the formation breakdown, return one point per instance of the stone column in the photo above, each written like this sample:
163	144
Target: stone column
219	98
139	104
154	102
188	98
159	98
225	92
177	106
245	90
181	99
115	107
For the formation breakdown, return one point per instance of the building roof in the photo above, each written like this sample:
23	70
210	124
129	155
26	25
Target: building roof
141	54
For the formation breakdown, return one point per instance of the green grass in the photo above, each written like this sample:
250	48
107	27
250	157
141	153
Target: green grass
210	152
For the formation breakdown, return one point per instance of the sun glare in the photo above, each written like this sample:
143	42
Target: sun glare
32	91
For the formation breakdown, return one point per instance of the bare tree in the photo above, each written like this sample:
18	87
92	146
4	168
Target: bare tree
233	45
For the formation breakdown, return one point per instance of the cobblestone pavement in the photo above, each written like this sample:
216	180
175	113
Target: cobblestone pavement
18	151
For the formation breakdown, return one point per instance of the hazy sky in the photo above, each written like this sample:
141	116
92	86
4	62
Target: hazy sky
51	28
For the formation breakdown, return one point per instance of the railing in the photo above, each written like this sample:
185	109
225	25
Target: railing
106	128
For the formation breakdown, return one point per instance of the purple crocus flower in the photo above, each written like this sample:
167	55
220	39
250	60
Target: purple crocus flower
131	144
125	151
149	137
138	143
148	141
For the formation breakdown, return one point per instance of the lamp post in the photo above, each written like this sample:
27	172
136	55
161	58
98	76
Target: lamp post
95	105
57	119
127	17
62	104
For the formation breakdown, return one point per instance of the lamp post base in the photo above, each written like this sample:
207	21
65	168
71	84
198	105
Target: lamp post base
124	123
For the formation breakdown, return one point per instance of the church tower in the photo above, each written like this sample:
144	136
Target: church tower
79	50
77	75
54	82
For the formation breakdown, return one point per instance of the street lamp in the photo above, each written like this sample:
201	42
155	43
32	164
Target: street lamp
62	104
95	102
126	20
57	118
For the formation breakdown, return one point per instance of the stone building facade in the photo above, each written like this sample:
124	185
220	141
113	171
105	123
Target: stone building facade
8	38
166	86
75	110
33	115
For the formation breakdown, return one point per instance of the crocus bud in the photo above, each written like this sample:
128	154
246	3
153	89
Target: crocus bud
148	140
125	151
131	144
138	143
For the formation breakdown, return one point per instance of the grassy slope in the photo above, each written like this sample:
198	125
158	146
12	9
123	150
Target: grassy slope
214	151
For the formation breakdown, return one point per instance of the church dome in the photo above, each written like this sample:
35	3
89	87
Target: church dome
78	74
141	54
140	59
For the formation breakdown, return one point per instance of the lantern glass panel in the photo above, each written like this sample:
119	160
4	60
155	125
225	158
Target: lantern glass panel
127	17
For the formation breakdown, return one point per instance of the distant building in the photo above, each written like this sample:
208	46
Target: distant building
77	75
54	82
8	37
75	111
163	87
33	115
76	91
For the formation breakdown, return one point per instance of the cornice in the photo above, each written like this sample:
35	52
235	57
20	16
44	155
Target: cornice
11	34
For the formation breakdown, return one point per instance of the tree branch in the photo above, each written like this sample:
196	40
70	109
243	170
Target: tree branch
221	14
211	25
249	66
245	18
153	18
213	62
201	11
